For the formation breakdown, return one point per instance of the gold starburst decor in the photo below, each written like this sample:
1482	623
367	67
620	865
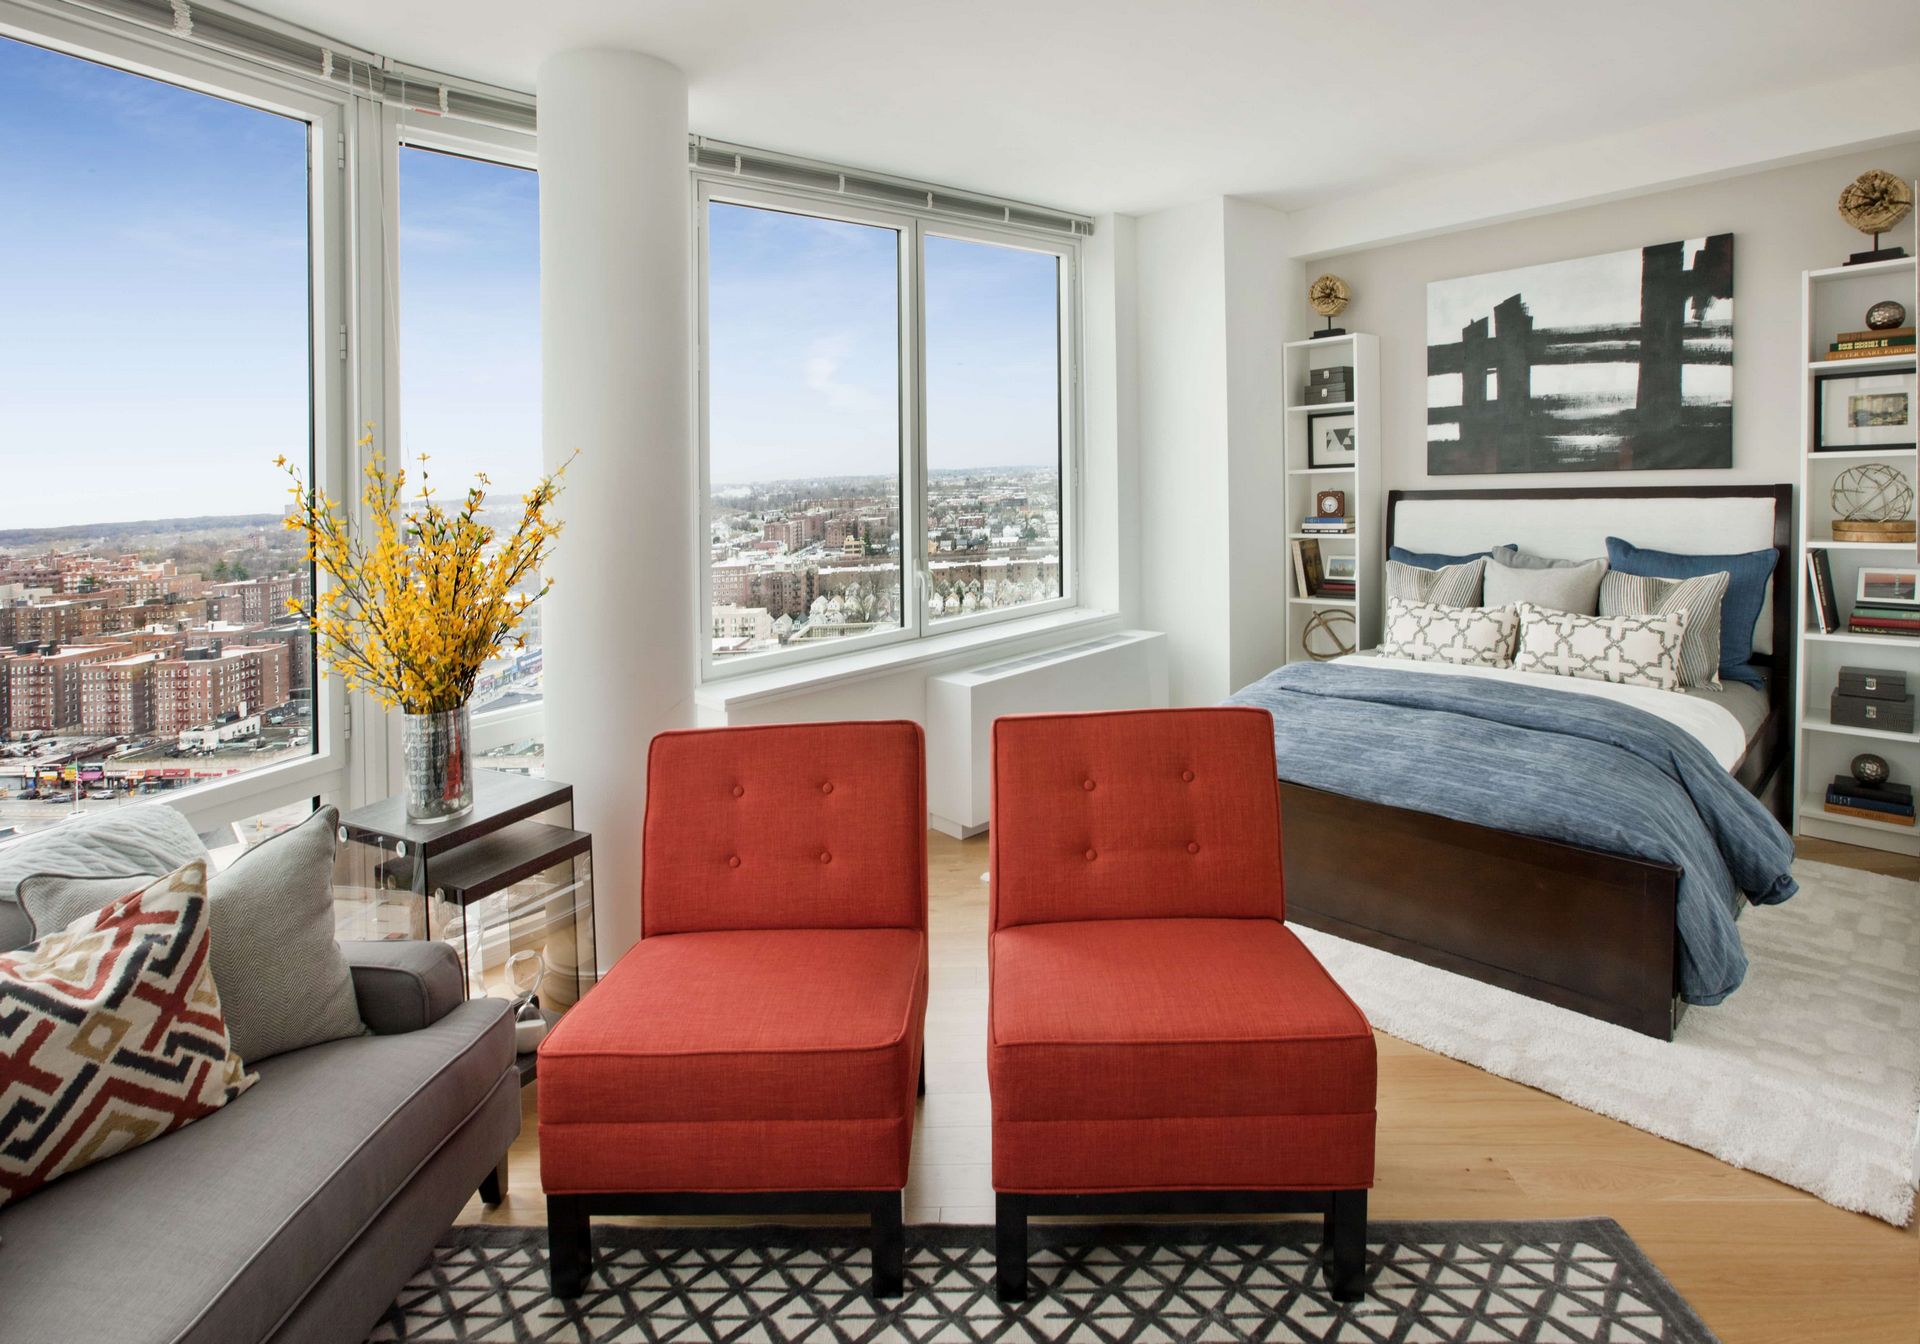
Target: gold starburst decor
1328	295
1875	201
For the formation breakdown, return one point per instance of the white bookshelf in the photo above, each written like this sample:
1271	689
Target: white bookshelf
1832	300
1361	482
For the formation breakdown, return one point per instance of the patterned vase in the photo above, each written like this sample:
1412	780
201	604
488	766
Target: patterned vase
439	751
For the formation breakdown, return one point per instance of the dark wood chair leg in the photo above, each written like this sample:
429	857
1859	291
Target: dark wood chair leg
493	1186
1010	1248
1346	1245
889	1246
569	1245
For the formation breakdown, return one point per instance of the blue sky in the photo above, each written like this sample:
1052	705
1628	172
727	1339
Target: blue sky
154	347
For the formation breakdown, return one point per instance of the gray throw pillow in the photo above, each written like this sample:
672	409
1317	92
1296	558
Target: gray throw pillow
1450	586
283	982
1701	598
1515	558
1574	587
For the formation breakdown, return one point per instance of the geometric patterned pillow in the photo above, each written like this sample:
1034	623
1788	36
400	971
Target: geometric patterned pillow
1701	598
111	1034
1466	636
1448	586
1625	650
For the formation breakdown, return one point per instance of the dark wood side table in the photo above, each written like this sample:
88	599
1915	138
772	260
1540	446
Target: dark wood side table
504	879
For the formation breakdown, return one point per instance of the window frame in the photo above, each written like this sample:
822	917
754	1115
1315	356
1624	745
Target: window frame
914	228
331	768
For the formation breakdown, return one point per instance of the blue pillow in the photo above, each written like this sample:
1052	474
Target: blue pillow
1747	576
1434	560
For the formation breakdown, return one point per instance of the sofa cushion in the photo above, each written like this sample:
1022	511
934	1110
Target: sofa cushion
1124	1019
111	1034
214	1233
780	1059
150	838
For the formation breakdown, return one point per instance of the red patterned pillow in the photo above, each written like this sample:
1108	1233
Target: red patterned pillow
111	1034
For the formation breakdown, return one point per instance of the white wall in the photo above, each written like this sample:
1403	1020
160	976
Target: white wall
1783	221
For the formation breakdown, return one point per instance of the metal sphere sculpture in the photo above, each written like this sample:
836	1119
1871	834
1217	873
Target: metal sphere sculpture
1872	493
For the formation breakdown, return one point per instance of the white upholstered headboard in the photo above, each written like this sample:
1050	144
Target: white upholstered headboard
1575	525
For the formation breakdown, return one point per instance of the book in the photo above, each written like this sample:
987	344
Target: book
1887	817
1898	343
1341	519
1887	615
1887	791
1887	606
1892	632
1835	798
1306	567
1861	354
1884	333
1820	579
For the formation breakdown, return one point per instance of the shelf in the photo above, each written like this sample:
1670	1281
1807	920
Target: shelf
1822	723
1825	544
1323	601
1321	343
1327	407
1844	637
1844	453
1865	268
1320	536
497	861
1868	363
1816	808
1321	471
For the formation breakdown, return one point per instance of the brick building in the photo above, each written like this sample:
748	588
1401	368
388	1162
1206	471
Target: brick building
203	684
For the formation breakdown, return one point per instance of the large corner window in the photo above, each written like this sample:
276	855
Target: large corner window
885	425
469	330
156	357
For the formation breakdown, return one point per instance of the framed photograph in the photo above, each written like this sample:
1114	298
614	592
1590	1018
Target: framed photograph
1342	568
1330	440
1864	410
1881	586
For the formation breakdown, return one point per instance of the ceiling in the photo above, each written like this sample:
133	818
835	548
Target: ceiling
1132	105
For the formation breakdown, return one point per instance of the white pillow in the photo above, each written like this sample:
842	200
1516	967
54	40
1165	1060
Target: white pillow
1625	650
1465	636
1449	586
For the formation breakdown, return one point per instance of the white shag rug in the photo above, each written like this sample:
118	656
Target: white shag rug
1808	1073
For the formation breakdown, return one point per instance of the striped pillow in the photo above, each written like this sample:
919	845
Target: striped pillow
1451	586
1701	598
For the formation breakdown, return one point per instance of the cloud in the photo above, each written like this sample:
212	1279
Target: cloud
826	356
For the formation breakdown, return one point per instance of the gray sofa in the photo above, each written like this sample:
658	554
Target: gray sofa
297	1212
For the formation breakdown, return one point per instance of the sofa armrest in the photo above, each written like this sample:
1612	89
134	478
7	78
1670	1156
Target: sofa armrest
404	984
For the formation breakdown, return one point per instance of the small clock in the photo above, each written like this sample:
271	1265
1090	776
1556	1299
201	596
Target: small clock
1331	504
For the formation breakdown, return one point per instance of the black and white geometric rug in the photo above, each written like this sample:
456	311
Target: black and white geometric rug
1571	1282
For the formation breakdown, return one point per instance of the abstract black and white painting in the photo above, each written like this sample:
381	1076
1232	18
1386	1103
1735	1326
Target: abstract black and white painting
1620	362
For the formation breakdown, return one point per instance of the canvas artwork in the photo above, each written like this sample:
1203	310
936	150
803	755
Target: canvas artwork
1620	362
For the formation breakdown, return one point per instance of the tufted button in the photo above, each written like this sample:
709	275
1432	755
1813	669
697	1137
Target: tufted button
825	857
733	860
826	788
1091	856
1087	784
1193	846
1187	775
739	791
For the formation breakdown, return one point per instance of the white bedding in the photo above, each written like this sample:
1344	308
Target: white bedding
1713	725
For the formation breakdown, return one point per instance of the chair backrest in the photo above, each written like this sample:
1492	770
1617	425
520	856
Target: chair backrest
788	826
1143	814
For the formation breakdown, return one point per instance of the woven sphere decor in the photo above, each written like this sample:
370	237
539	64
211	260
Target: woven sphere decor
1328	634
1872	502
1875	201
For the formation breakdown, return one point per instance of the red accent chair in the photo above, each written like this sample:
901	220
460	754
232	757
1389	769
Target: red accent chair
1158	1039
757	1050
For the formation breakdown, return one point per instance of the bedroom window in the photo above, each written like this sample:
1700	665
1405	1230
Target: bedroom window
885	426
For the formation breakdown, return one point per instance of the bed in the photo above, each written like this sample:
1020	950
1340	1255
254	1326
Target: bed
1540	909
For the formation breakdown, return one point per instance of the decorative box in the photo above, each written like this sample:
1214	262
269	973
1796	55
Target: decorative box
1873	711
1878	683
1326	394
1340	373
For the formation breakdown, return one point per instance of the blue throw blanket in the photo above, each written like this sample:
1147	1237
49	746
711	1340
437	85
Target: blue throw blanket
1574	768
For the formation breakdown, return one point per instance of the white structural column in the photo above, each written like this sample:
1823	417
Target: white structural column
616	350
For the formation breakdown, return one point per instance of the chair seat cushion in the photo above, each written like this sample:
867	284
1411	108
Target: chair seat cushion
751	1059
1124	1019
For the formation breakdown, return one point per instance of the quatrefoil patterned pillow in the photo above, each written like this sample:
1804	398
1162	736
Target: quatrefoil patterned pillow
1625	650
1465	636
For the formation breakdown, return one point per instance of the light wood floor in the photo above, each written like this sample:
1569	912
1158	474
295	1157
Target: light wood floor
1758	1260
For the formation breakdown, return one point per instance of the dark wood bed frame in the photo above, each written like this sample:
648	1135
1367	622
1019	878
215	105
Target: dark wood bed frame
1579	928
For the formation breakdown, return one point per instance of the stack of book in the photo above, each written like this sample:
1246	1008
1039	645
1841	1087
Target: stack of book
1820	588
1888	618
1886	801
1327	527
1334	588
1866	344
